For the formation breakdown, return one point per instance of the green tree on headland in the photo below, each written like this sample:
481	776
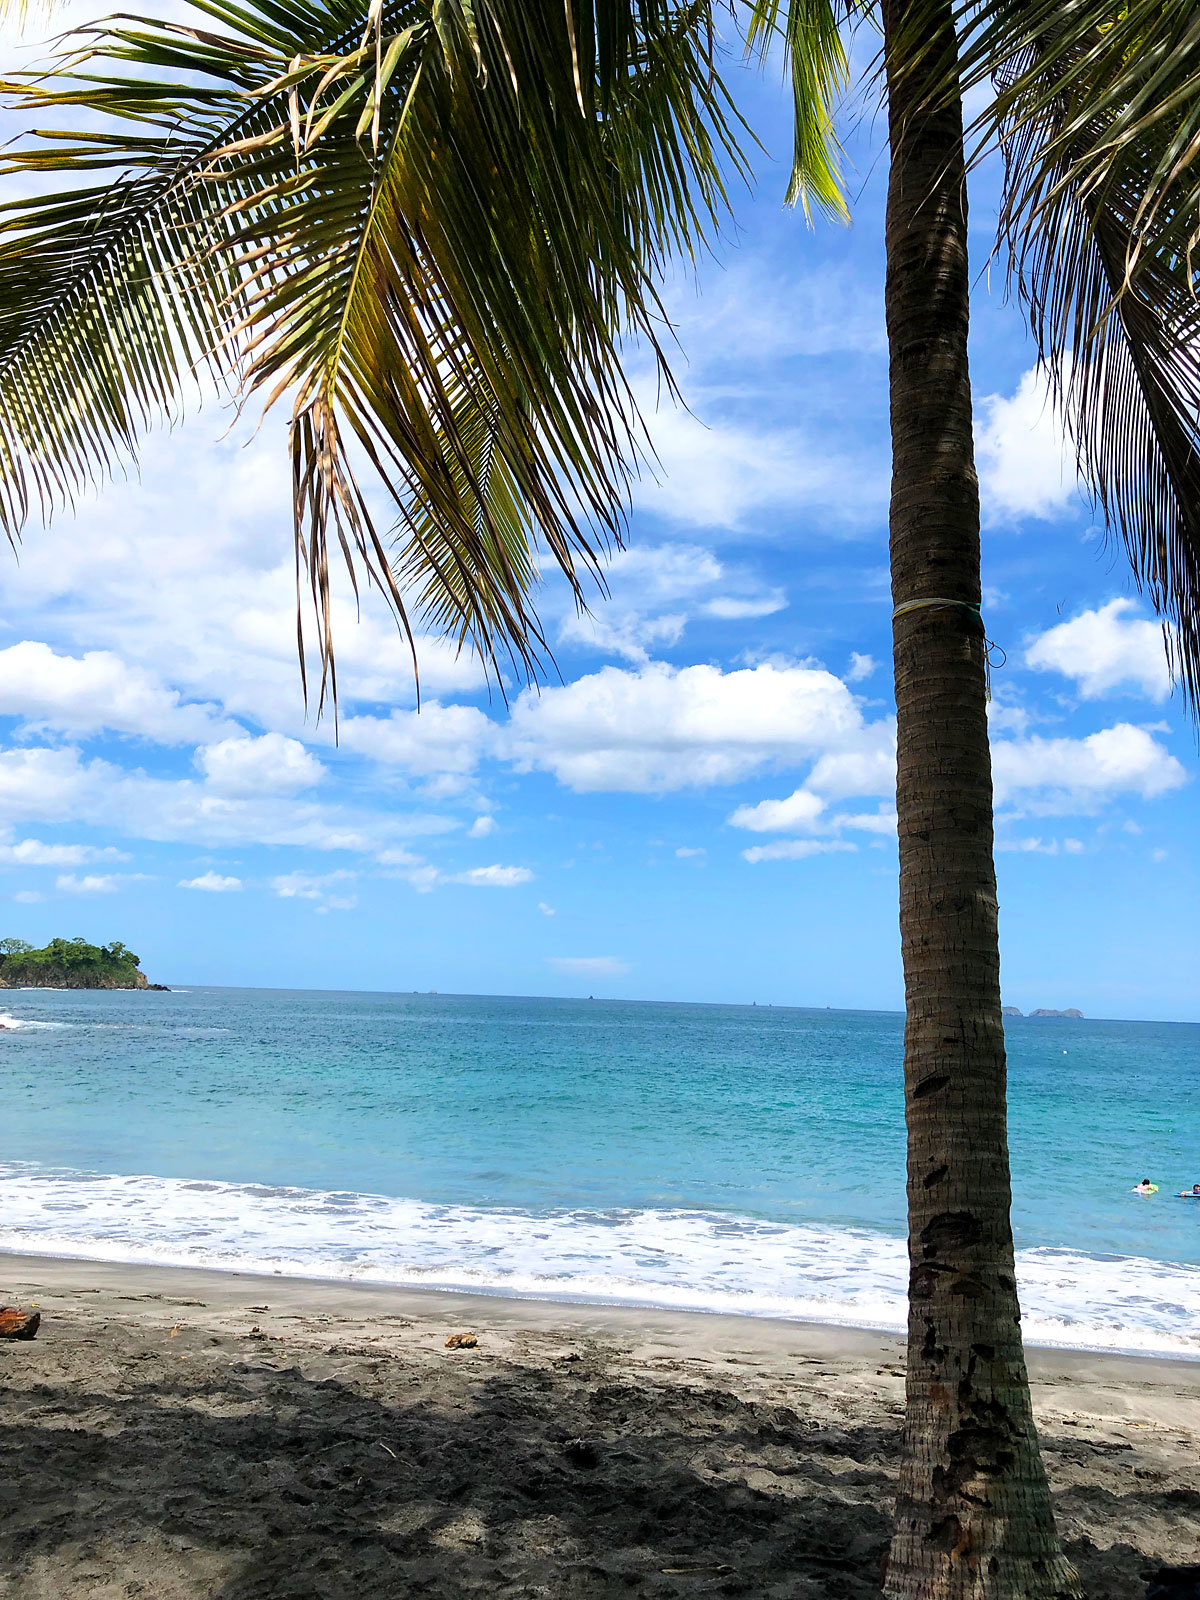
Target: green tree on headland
430	223
69	963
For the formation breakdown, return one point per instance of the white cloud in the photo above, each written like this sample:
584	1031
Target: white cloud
736	610
1026	463
1055	776
869	767
1038	847
662	728
547	911
244	767
437	739
493	877
28	897
691	852
653	591
589	966
1105	650
316	887
33	853
713	471
43	785
209	610
481	827
796	849
799	813
861	667
98	690
211	883
91	883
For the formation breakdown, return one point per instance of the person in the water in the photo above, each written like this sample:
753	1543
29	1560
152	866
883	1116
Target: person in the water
1190	1194
1145	1187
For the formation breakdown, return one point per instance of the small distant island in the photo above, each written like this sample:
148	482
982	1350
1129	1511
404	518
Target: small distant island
1015	1011
71	964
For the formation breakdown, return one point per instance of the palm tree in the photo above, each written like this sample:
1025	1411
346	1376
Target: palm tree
431	224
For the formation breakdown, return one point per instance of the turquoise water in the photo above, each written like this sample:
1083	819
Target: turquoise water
718	1156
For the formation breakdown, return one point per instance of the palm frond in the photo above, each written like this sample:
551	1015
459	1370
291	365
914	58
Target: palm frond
1097	111
429	222
820	73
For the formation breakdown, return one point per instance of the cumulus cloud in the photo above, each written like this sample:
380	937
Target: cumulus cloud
38	784
34	853
662	728
211	610
493	877
654	590
211	883
91	883
589	966
796	849
1061	776
271	764
1026	463
798	813
731	609
324	889
437	739
1104	650
861	667
1040	847
714	470
95	692
481	827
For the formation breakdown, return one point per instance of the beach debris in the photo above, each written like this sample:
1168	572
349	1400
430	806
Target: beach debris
1174	1583
174	1333
256	1332
18	1324
462	1341
258	1308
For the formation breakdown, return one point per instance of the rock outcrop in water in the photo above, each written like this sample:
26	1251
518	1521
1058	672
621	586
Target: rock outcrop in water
71	964
1011	1011
1070	1012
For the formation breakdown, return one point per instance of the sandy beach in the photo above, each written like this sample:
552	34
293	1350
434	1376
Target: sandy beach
185	1435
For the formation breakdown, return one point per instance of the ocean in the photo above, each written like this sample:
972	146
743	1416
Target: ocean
722	1158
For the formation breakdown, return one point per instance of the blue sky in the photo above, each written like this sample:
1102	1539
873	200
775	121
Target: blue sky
700	809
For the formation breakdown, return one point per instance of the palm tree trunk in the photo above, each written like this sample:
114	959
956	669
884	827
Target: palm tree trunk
973	1516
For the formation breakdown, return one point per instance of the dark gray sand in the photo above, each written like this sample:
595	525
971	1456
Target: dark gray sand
156	1445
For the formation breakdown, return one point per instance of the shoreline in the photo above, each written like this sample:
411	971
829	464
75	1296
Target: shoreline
201	1435
225	1289
47	1266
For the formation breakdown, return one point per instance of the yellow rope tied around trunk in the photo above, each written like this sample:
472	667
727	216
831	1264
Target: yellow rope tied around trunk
976	609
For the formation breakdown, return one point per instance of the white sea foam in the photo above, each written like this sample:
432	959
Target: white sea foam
685	1259
25	1024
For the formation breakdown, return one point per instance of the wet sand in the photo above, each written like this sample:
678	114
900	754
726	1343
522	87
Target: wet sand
183	1435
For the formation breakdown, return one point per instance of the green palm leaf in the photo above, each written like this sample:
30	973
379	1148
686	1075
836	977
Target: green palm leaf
1097	112
430	225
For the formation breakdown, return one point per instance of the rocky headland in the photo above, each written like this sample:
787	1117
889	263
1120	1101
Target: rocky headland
1015	1011
71	964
